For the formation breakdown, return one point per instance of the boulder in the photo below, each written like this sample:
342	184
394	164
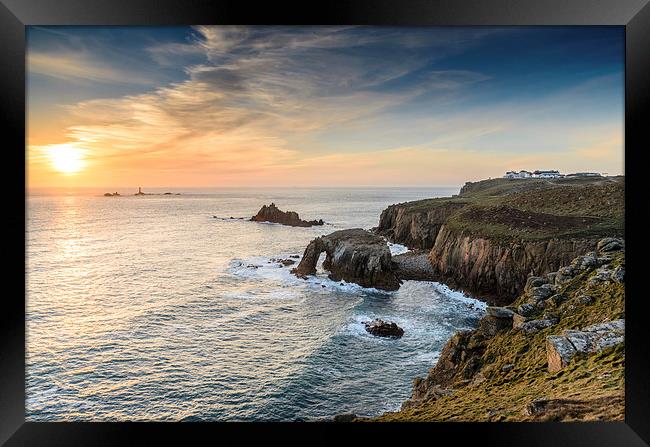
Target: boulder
558	299
532	326
499	312
533	281
354	255
610	244
498	319
526	310
284	262
272	213
543	292
560	349
585	299
564	274
518	320
382	328
619	274
602	274
604	260
585	262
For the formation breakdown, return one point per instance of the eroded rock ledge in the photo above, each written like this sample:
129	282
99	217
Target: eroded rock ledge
354	255
272	213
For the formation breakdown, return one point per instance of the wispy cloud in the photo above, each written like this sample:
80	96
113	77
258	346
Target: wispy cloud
75	66
265	104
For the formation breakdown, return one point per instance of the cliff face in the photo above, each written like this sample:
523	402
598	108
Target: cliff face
490	237
496	271
415	228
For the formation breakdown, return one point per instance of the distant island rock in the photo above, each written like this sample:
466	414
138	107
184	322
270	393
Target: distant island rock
111	194
272	213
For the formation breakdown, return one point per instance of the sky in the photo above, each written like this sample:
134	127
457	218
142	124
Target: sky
219	106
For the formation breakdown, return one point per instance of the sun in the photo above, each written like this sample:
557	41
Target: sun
67	159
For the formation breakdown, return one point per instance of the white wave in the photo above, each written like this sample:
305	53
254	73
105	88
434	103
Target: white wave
264	267
460	296
397	249
429	358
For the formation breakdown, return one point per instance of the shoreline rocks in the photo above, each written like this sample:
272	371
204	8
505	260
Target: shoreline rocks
272	213
414	265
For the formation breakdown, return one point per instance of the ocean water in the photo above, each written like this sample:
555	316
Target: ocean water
150	308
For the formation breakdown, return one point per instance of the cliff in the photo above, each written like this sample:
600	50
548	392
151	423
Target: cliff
416	224
557	354
495	271
490	237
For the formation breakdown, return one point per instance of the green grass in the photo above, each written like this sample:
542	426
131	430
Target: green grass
583	208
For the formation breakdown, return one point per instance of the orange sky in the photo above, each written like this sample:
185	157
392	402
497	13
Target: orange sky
238	109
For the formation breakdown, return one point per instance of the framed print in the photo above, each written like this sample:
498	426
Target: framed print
368	217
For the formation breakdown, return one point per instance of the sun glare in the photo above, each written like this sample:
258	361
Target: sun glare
67	159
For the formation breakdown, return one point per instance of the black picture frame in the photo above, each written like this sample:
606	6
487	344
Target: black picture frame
634	15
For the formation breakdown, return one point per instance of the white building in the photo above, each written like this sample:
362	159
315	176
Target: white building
520	174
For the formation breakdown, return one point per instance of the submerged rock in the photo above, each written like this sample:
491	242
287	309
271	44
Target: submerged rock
272	213
283	262
382	328
354	255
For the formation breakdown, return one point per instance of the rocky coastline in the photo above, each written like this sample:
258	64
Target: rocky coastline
548	256
490	237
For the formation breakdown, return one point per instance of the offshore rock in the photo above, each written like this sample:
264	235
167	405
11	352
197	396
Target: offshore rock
354	255
382	328
273	214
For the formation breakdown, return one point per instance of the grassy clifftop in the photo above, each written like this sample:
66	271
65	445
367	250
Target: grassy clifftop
526	209
516	209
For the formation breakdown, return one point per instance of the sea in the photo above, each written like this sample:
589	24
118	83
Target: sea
173	307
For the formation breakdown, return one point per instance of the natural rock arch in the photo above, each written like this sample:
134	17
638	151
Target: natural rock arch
354	255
